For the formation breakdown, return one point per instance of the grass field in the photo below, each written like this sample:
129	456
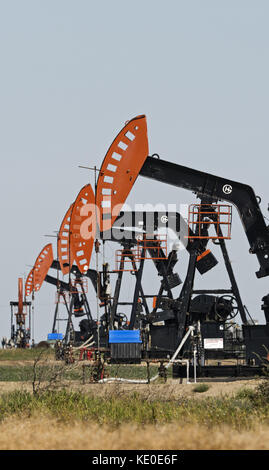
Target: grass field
24	354
120	416
18	372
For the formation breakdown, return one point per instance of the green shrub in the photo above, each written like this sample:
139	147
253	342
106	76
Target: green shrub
246	394
201	388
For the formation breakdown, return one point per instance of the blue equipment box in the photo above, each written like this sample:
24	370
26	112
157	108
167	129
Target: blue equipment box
124	336
55	336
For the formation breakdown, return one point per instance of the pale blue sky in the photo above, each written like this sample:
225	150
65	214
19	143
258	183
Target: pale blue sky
72	72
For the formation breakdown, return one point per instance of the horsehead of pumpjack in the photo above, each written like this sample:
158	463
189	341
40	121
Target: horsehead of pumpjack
39	271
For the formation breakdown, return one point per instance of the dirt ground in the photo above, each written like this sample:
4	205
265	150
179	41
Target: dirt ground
172	389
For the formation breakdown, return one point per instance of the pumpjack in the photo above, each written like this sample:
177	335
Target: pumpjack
125	161
20	319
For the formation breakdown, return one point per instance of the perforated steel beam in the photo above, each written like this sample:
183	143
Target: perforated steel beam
65	255
38	273
83	227
119	170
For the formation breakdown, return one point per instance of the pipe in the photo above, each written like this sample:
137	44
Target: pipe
194	364
85	344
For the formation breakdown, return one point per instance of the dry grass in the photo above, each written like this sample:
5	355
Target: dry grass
43	433
139	417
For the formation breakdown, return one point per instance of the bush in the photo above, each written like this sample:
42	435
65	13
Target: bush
201	388
246	394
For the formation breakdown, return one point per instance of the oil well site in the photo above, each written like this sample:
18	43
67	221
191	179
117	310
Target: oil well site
153	347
